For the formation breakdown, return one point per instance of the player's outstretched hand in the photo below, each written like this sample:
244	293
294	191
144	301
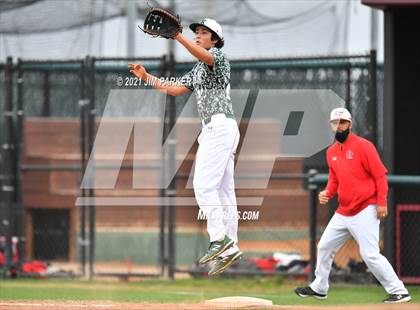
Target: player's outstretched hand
138	70
323	197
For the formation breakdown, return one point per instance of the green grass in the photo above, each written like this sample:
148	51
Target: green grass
279	290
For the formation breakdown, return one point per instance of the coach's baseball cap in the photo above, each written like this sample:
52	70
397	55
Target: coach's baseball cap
213	26
340	113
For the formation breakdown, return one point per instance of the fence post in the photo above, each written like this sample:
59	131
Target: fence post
372	117
313	190
91	129
348	88
162	208
83	105
20	214
171	191
8	188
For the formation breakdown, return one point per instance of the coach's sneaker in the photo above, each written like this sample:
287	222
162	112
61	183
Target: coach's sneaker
222	263
397	298
307	291
216	248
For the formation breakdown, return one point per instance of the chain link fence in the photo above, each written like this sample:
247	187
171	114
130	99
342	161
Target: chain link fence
51	92
407	250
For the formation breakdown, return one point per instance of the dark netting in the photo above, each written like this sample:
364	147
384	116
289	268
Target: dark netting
33	95
65	92
408	250
51	89
50	15
406	195
6	5
51	234
54	89
73	28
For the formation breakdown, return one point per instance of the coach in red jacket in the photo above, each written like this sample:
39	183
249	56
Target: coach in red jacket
357	174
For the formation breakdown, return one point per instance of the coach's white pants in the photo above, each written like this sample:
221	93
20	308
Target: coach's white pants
214	185
364	228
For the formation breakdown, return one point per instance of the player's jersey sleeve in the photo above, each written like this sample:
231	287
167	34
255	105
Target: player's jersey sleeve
373	164
332	184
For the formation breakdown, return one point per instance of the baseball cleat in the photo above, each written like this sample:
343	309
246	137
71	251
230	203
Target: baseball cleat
215	249
397	298
222	263
307	291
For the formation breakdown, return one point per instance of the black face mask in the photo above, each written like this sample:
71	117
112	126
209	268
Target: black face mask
342	136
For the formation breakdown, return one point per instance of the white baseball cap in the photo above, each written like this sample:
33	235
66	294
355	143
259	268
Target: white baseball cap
213	26
339	114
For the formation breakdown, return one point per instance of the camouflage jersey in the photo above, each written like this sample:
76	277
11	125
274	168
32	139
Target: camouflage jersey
211	85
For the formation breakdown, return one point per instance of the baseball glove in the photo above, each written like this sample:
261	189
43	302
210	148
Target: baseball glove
161	23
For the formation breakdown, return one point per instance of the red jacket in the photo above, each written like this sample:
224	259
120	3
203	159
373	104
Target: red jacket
357	173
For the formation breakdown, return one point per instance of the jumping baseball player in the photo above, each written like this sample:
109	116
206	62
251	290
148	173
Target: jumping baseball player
213	181
357	174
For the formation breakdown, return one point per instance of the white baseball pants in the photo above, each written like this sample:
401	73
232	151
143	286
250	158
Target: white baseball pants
364	228
214	185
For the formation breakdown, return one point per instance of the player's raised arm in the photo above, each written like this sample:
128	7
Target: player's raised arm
196	50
